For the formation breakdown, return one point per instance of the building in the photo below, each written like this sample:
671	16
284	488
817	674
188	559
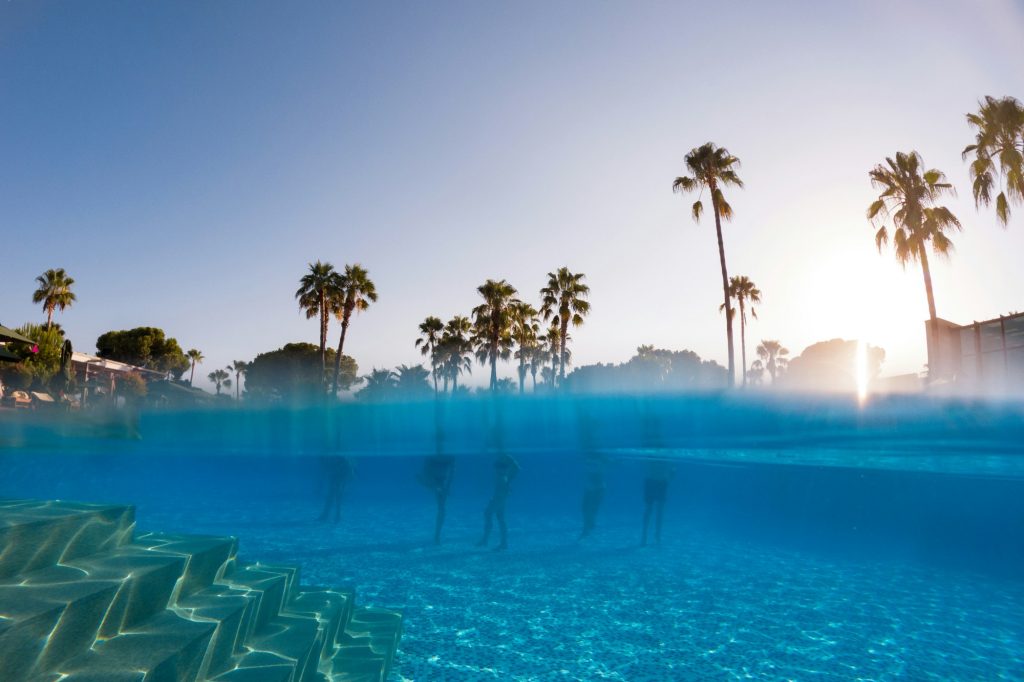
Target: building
980	358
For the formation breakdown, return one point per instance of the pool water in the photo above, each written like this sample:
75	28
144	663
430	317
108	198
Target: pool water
789	563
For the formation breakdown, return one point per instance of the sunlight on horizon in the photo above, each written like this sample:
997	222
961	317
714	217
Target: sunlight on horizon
861	371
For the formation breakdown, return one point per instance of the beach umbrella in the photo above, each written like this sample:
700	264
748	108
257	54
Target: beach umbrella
8	334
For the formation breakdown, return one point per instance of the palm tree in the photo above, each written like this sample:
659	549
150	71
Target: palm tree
756	372
746	295
565	298
412	379
239	367
431	331
998	153
492	324
539	357
317	289
196	357
713	168
54	292
355	293
909	194
772	355
379	384
553	350
525	329
219	377
454	351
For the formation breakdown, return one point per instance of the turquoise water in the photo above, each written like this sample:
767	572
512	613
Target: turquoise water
802	539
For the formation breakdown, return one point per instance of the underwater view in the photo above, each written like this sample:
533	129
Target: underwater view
661	538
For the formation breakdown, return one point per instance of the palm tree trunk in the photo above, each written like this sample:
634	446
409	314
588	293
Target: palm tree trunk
49	317
494	367
337	358
434	366
743	340
533	375
725	288
564	333
237	387
932	317
192	376
522	372
323	336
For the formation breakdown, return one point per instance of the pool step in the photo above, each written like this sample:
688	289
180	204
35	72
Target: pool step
36	534
96	606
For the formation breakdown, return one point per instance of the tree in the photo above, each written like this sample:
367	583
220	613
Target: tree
318	290
41	361
565	299
998	151
379	385
294	373
713	168
355	293
219	377
431	332
54	292
908	196
552	352
539	357
146	347
492	324
454	351
756	373
525	330
773	356
196	358
832	366
746	295
412	380
239	367
132	387
650	370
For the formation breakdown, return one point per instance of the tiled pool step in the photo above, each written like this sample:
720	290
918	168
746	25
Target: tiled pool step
87	603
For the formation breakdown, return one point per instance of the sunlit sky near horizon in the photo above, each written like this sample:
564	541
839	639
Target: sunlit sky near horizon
184	162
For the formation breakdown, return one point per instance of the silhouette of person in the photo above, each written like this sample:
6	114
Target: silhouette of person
594	466
436	476
505	470
337	470
659	473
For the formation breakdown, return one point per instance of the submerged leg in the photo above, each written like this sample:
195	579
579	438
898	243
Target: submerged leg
502	526
439	521
657	522
647	520
488	519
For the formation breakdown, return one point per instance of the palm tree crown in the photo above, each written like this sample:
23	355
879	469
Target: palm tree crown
454	351
492	323
565	299
239	367
317	290
356	291
908	196
711	168
525	330
746	294
998	154
54	292
220	378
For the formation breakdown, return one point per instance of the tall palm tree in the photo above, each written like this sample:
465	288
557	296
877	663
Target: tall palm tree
909	194
553	352
454	351
219	377
412	379
998	153
431	331
492	325
355	293
239	367
525	330
713	168
317	289
772	355
746	295
196	357
54	292
539	357
565	298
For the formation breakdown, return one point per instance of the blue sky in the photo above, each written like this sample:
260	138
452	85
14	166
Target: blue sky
184	161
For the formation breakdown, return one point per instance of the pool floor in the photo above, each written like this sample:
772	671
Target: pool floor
702	606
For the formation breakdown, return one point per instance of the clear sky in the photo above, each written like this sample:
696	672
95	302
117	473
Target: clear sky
184	161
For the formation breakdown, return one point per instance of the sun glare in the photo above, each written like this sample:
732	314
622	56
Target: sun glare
861	371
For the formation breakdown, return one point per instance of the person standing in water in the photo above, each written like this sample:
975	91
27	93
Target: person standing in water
337	471
505	470
659	473
594	466
436	476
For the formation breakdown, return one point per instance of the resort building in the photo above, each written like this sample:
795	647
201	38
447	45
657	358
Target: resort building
980	358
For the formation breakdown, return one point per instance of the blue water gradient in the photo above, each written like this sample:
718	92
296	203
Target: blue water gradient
804	539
